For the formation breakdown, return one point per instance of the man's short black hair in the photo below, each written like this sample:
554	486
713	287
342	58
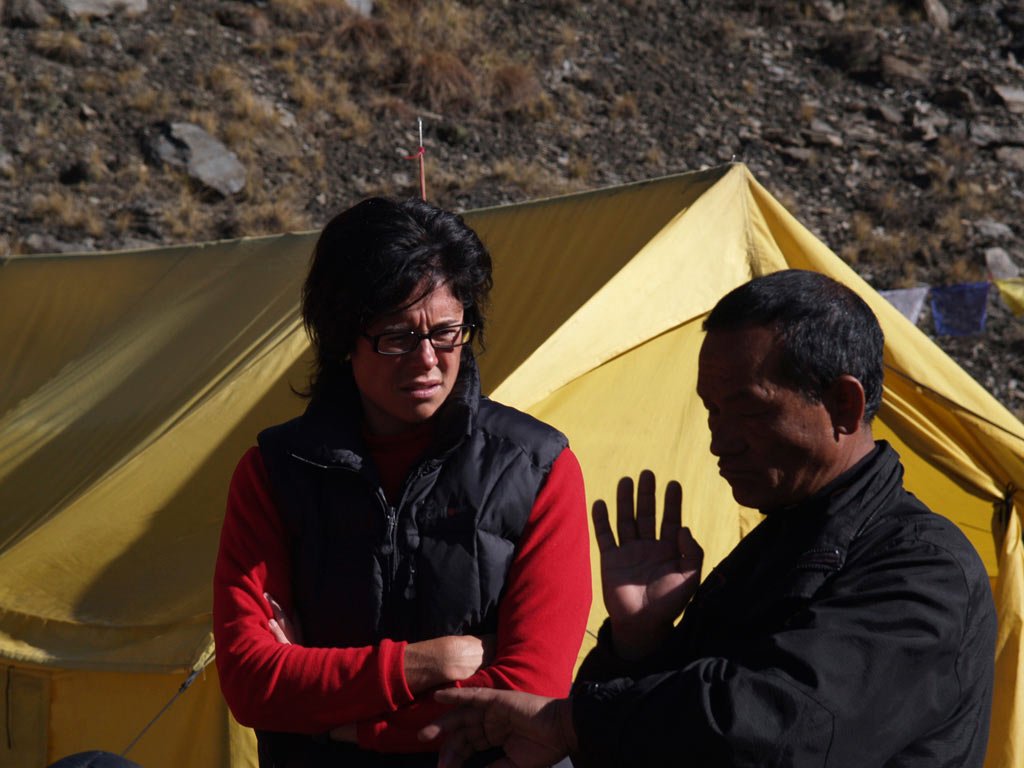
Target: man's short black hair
826	330
368	261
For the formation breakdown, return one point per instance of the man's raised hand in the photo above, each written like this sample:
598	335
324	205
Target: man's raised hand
646	580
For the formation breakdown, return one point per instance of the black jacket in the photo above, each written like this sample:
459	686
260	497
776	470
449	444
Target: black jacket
431	563
855	629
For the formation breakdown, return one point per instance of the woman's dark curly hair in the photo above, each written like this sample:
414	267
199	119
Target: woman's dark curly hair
368	262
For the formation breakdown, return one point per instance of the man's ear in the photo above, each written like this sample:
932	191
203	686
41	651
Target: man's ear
845	402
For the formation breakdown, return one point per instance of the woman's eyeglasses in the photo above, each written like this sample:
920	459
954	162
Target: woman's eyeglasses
403	342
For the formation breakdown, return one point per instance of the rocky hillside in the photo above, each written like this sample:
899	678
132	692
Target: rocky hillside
893	129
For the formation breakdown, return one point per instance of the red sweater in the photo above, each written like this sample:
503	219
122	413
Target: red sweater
273	686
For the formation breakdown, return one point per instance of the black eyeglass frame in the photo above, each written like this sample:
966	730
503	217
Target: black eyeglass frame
416	338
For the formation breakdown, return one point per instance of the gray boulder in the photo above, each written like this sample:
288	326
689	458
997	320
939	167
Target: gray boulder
206	160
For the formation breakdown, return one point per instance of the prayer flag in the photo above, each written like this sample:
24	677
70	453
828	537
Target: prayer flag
1011	291
959	310
909	301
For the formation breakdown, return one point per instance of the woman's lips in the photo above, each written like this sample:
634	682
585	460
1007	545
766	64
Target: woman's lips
422	390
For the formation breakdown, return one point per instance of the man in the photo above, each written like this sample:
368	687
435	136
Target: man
852	627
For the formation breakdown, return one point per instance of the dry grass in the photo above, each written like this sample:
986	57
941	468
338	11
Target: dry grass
272	217
96	82
285	46
150	101
580	168
356	125
441	81
205	119
44	82
368	40
515	90
531	178
186	216
60	45
625	107
128	78
654	157
67	210
304	92
950	226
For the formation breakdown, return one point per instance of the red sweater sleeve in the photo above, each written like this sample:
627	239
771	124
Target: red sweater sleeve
541	618
267	684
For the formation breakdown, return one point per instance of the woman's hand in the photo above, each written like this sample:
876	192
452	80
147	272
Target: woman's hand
282	627
447	659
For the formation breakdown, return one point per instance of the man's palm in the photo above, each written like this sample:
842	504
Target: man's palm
646	580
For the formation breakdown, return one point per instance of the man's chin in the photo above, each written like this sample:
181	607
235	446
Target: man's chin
755	498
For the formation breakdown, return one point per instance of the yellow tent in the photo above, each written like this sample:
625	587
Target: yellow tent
132	382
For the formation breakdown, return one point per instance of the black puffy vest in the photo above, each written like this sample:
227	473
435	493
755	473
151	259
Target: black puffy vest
431	563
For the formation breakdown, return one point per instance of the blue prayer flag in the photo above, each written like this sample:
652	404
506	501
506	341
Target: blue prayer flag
959	310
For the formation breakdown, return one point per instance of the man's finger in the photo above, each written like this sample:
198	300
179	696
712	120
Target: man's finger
645	505
465	695
672	517
689	549
602	528
625	523
454	751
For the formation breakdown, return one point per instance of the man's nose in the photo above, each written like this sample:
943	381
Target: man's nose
725	439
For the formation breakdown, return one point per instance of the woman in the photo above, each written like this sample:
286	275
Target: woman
419	534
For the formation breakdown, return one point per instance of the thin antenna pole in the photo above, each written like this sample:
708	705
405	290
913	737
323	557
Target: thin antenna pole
423	170
420	155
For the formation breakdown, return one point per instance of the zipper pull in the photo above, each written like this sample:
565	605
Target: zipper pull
389	537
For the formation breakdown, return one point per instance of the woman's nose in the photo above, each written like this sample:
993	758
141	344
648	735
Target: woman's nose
424	354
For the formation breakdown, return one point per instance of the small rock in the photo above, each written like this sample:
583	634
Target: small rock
24	13
98	9
986	135
827	138
1012	156
362	7
862	132
1000	265
285	118
86	112
206	159
994	230
831	12
244	18
37	243
929	126
896	69
937	14
1012	96
886	113
6	164
799	154
135	244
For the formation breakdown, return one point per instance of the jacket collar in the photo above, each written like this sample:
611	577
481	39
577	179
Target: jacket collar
843	508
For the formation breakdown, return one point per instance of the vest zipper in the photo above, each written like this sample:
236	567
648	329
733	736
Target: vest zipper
390	543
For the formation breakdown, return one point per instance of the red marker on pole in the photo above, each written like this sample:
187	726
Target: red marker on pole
420	154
